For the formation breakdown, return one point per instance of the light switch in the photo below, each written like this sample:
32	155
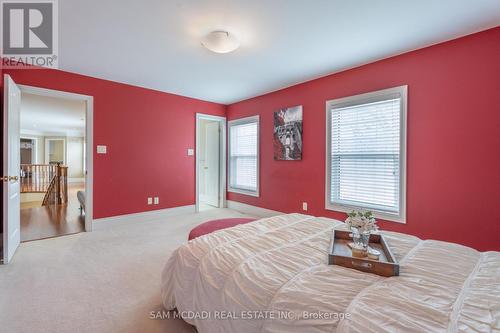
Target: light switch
157	200
102	149
190	152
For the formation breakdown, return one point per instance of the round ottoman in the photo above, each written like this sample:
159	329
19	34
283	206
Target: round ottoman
214	225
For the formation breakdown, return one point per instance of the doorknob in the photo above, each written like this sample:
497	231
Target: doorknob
10	178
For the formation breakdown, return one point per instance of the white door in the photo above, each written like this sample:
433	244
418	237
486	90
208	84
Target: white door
212	159
11	167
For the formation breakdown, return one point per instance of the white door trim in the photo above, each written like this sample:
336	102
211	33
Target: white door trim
222	171
89	137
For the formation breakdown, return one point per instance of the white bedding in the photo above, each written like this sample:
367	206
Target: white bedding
272	276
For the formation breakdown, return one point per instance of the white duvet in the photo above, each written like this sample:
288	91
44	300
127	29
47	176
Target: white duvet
272	276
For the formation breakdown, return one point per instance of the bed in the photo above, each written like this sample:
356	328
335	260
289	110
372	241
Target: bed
271	275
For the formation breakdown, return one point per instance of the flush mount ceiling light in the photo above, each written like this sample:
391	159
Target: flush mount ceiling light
220	42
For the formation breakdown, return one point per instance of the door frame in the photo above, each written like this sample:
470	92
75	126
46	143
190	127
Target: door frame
222	163
89	137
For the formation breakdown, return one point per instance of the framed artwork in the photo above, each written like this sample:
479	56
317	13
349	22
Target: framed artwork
288	134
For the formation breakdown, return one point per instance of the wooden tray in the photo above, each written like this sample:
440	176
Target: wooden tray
341	254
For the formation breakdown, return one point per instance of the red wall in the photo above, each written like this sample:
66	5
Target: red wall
453	166
147	133
453	140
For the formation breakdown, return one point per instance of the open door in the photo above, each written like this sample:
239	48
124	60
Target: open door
210	162
11	169
212	167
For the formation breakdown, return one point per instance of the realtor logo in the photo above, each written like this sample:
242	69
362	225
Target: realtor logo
29	33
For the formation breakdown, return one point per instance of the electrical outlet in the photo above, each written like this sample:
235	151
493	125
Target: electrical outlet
190	152
157	200
150	201
304	206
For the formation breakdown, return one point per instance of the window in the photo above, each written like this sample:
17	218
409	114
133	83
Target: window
244	156
366	153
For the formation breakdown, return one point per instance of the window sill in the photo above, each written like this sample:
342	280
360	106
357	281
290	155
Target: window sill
244	192
390	217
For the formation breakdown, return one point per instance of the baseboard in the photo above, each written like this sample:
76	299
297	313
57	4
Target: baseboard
107	222
251	210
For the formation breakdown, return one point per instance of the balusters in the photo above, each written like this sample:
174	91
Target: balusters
36	178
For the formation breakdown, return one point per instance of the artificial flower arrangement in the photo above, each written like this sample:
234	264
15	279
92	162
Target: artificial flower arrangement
362	222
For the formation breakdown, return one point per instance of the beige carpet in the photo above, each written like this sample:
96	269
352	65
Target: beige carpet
103	281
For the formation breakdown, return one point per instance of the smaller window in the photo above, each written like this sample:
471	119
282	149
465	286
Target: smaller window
244	156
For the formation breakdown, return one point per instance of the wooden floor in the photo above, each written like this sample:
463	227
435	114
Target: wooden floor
53	221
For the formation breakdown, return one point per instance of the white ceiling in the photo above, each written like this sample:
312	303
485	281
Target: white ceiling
156	43
49	116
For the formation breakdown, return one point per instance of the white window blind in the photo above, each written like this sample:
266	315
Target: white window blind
243	155
365	152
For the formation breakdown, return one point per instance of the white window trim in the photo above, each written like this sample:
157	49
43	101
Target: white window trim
402	92
242	121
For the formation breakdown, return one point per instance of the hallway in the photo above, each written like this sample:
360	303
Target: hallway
55	220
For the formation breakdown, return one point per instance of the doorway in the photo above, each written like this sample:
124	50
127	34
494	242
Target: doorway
210	162
28	150
48	164
55	148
